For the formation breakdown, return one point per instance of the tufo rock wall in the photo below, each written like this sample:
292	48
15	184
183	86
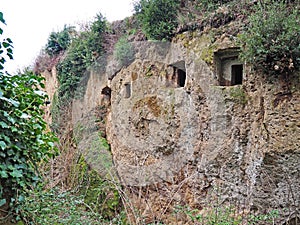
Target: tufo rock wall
201	143
181	136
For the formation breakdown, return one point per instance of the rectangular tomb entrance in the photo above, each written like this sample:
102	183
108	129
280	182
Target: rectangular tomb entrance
229	69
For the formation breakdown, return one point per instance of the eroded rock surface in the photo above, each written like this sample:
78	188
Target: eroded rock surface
180	138
241	140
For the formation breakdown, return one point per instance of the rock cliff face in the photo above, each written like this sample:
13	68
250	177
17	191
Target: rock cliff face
51	85
192	126
196	137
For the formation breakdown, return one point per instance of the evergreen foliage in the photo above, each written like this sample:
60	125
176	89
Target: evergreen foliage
82	52
158	18
59	41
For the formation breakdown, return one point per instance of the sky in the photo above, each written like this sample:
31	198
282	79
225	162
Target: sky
29	22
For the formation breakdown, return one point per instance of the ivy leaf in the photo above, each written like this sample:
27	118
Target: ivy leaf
50	143
10	55
13	102
10	152
25	116
2	60
5	44
12	120
5	138
10	167
3	145
2	202
40	93
16	173
21	198
14	129
3	124
1	17
3	174
21	166
42	85
37	126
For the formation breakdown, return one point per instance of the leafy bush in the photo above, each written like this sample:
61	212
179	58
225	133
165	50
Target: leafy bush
218	2
158	18
57	44
272	42
124	51
59	41
24	140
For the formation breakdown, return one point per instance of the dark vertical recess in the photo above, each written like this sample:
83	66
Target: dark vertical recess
181	77
127	90
236	74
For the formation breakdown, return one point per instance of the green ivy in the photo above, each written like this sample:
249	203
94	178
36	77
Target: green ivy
101	195
24	140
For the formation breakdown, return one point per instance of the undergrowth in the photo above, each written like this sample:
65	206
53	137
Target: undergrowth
224	215
57	207
88	199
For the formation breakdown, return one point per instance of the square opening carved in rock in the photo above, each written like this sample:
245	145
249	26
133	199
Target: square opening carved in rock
229	69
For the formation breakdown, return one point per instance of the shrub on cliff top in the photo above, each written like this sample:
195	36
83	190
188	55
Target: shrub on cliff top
271	43
158	18
124	51
81	53
59	41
